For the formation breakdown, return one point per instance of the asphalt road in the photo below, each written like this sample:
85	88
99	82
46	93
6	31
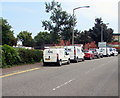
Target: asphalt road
98	77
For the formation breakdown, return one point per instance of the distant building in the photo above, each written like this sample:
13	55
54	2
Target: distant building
116	43
20	45
116	37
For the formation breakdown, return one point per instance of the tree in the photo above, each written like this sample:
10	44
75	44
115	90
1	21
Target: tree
7	34
67	30
83	37
60	22
42	38
26	38
95	32
108	37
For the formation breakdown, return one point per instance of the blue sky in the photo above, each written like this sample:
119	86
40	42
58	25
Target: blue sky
28	15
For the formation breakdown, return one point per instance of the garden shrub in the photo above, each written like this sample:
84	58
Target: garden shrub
1	56
9	56
14	56
30	56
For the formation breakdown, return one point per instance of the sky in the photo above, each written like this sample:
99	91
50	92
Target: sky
27	15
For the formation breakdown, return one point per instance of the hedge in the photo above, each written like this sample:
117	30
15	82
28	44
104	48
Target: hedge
9	56
0	56
30	56
17	56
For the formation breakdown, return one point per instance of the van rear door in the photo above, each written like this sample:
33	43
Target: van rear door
50	55
71	51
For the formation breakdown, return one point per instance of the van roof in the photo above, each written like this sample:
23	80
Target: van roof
55	47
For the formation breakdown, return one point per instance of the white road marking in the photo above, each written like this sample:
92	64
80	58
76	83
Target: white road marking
63	84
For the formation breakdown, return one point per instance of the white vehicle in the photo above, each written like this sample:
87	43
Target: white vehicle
114	52
100	52
75	52
55	56
106	51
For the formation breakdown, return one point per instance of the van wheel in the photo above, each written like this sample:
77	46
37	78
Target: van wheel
98	56
107	55
91	58
83	59
68	61
60	63
76	61
44	64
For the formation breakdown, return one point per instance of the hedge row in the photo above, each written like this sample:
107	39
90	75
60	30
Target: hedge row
16	56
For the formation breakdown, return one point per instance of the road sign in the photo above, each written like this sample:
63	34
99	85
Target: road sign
101	44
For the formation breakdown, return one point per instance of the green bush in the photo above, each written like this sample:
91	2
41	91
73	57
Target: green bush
9	56
0	56
14	56
30	56
38	55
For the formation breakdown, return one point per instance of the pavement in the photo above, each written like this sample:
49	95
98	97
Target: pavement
98	77
20	68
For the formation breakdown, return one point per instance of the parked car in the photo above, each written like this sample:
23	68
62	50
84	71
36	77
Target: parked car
96	54
55	56
75	52
88	54
113	52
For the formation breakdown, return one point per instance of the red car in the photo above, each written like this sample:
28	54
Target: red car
96	54
89	54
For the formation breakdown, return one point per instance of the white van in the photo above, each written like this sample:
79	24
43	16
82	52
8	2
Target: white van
75	52
55	56
106	51
114	52
100	52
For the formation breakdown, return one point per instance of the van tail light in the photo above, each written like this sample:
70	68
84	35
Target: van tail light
57	56
74	52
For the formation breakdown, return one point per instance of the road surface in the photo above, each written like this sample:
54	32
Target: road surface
98	77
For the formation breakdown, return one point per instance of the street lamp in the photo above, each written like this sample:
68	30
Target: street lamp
74	21
102	32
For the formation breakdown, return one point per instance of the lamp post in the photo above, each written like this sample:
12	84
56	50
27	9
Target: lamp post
102	32
74	21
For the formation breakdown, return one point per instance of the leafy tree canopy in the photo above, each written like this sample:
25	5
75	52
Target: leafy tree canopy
60	23
6	32
99	27
26	38
42	38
